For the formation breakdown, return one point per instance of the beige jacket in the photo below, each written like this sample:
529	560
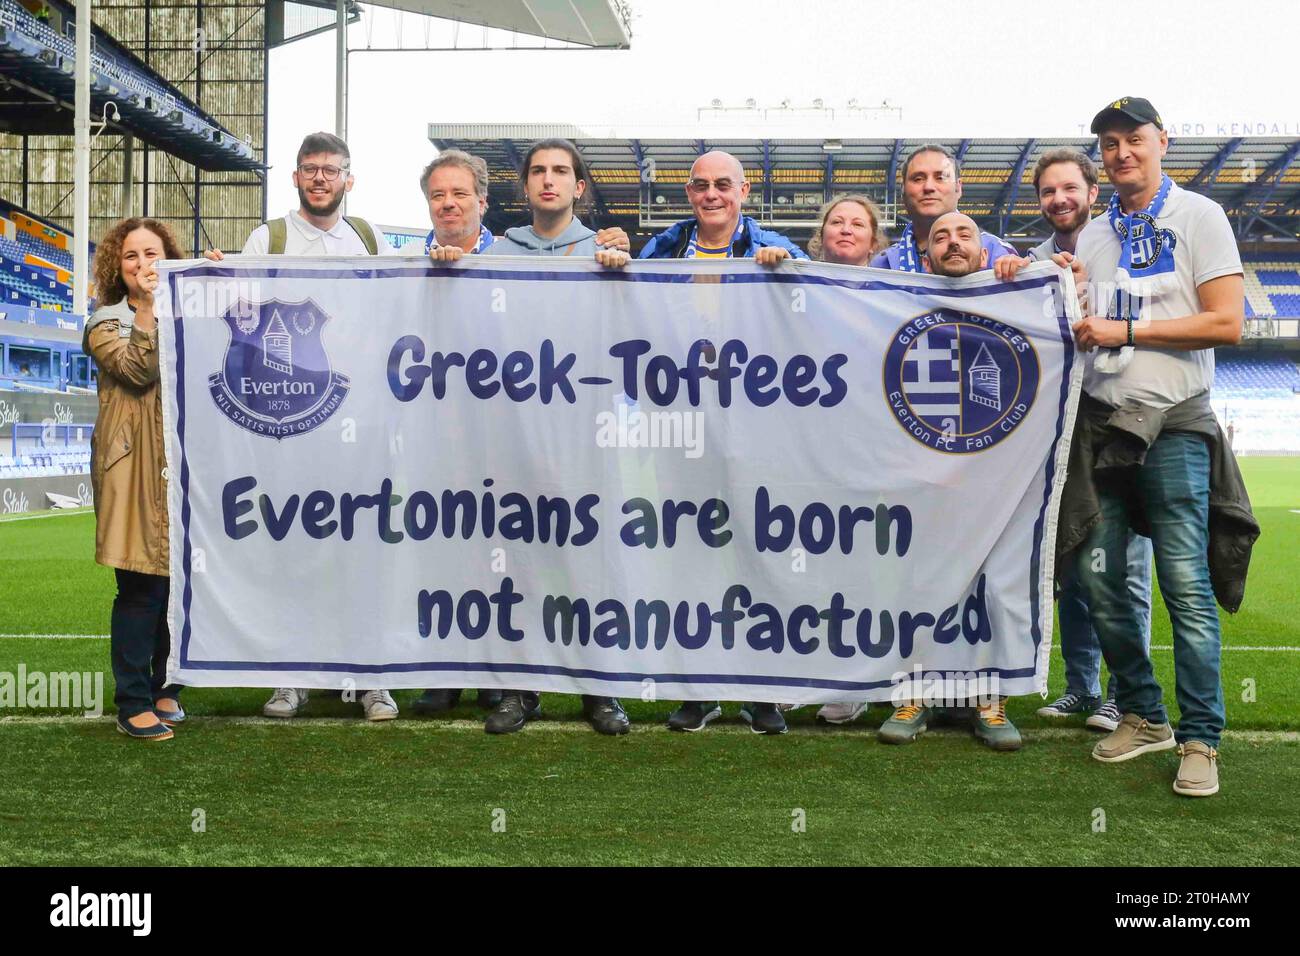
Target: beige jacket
127	461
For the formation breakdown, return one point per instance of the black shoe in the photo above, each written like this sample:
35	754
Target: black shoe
606	715
436	701
158	731
763	718
515	710
694	715
488	699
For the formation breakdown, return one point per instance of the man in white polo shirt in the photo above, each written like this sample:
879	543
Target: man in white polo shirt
1165	288
322	175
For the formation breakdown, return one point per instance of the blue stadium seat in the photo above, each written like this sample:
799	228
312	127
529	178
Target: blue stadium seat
1287	304
1258	376
1278	276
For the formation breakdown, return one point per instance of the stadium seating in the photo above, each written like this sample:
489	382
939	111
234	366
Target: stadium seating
26	284
1272	288
38	462
1256	376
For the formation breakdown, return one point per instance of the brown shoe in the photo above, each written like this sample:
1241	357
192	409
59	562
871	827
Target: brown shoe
1133	736
1198	774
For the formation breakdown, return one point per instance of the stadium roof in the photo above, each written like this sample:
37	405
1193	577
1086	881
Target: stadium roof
639	180
37	91
597	23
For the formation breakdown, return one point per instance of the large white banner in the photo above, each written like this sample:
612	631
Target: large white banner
682	479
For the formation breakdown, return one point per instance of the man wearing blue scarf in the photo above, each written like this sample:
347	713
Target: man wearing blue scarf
717	189
931	188
1167	288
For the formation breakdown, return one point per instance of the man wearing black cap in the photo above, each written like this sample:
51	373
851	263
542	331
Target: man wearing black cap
1166	289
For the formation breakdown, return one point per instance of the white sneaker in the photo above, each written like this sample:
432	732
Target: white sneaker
285	702
843	713
379	705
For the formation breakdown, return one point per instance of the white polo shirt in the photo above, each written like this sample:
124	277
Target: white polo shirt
301	238
1205	249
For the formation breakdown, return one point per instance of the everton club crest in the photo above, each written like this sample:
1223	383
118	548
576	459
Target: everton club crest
276	379
958	382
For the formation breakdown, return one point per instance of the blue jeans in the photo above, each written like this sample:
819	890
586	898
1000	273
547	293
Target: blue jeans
1079	645
1174	485
139	642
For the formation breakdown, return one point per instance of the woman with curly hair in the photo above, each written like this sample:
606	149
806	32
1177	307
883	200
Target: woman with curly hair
128	472
850	232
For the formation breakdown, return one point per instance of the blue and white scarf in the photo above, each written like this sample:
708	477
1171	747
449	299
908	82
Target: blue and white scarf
909	257
692	245
1146	258
485	239
1146	267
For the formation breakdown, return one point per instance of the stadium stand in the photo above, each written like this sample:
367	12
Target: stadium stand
39	462
1273	284
1256	375
35	52
638	180
1257	392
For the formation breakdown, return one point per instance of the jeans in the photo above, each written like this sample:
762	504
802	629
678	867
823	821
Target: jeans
140	642
1174	485
1079	645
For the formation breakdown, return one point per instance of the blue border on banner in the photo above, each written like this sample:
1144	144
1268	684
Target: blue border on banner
613	676
1036	561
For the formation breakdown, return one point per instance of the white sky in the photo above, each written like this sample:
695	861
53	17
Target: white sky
956	69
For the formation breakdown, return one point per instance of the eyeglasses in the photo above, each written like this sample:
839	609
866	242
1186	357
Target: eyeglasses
330	173
702	185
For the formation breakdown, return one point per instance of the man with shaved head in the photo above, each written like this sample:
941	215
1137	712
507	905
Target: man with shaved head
955	247
717	189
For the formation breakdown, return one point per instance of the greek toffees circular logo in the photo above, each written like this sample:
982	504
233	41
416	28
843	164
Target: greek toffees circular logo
957	382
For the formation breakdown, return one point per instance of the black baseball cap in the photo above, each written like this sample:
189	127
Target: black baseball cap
1133	108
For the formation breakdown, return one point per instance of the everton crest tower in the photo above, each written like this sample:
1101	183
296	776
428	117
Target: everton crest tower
277	346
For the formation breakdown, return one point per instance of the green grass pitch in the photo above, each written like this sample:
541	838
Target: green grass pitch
329	788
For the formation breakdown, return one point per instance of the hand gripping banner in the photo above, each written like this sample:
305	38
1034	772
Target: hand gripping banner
680	480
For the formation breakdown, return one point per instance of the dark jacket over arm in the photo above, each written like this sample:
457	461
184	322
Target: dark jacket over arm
1108	446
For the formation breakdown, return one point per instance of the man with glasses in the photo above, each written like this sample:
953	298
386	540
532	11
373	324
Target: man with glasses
717	189
317	228
323	177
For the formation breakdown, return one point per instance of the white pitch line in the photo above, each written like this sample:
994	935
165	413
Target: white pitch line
60	512
55	637
426	725
1234	647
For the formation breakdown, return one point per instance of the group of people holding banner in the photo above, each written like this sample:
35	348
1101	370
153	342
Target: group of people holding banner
1150	476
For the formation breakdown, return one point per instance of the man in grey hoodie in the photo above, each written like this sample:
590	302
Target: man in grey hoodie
554	177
